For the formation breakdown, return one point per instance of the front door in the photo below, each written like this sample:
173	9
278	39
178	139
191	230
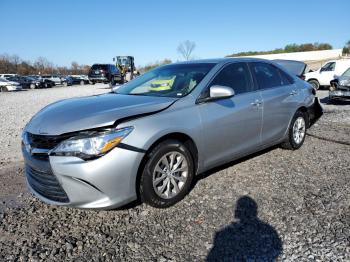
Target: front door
231	126
326	74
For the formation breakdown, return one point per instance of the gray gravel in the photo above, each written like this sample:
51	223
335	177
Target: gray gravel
277	204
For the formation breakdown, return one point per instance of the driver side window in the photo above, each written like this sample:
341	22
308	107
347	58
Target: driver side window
236	76
328	67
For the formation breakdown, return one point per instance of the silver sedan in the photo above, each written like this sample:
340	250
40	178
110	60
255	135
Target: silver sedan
148	138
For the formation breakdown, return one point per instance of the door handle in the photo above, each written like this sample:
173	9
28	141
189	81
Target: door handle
294	92
256	103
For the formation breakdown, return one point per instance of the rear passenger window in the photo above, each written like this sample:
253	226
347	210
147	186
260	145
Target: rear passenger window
267	76
286	79
236	76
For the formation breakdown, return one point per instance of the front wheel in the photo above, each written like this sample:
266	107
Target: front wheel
315	84
167	175
296	132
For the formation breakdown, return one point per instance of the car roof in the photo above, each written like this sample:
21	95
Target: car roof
224	60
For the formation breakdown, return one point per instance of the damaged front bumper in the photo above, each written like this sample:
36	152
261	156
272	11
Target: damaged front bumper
339	94
315	111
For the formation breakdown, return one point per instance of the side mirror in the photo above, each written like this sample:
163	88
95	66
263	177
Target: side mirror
218	92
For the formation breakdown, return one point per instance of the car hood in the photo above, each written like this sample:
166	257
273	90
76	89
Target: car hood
344	80
84	113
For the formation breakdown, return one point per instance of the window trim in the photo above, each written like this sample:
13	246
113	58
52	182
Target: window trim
200	99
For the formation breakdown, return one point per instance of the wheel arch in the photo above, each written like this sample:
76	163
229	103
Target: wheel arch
313	79
182	137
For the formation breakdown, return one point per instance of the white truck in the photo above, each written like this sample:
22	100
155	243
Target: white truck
324	75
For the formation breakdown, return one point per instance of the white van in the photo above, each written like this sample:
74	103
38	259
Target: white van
324	75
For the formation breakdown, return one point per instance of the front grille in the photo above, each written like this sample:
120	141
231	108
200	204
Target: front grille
46	184
45	142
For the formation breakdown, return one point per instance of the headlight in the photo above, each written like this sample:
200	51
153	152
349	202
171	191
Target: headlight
91	145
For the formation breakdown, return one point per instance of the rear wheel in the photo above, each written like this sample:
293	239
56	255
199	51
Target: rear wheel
3	89
32	86
296	132
315	84
167	175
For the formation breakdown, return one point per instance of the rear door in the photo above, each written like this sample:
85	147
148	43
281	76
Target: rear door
231	126
280	99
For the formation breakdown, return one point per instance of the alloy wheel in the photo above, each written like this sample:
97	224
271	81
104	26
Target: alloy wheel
299	129
170	175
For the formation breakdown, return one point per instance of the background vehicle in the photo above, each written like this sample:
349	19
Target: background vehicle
340	87
41	82
104	73
76	80
326	73
24	81
297	68
126	66
58	80
7	75
6	85
138	141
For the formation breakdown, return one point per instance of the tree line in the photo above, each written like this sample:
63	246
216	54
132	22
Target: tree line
13	64
287	49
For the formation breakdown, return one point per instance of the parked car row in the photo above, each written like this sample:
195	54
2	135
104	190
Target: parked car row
13	82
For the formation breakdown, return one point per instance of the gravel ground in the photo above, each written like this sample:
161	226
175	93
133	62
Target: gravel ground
276	204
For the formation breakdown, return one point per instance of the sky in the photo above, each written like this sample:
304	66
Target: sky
94	31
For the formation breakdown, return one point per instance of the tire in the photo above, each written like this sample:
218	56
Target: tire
315	84
296	131
92	82
163	193
32	86
82	82
112	82
121	80
3	89
65	84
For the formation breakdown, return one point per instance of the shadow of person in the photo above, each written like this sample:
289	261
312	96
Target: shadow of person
248	239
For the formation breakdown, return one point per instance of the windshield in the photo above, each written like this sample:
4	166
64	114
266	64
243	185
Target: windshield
347	73
171	80
123	60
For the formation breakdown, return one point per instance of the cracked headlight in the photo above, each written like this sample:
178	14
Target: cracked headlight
91	145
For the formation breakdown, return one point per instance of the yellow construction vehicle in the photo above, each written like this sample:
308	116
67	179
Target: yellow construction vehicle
127	68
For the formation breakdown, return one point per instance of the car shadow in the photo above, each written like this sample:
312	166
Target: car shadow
214	170
247	238
327	101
